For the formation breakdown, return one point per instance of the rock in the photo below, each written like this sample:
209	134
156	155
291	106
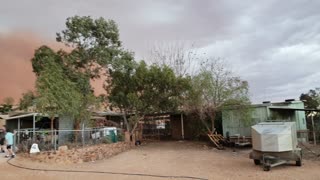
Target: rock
78	161
57	160
85	154
205	147
63	148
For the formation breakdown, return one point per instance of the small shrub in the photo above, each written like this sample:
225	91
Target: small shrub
120	136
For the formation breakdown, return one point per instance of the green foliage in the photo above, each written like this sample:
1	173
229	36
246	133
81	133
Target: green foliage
63	82
163	90
27	100
57	95
120	136
58	86
145	89
6	107
95	45
122	87
141	89
311	99
95	41
41	56
86	32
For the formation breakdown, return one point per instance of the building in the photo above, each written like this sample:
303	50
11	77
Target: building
290	110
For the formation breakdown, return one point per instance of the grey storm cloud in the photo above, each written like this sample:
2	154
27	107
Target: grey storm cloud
272	44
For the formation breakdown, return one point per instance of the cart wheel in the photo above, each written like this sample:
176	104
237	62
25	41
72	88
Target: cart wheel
266	167
298	163
257	161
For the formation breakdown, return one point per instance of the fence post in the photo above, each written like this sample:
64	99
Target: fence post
18	132
55	140
14	141
82	134
313	130
95	136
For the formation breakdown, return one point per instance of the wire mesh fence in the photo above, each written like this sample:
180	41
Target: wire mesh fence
48	140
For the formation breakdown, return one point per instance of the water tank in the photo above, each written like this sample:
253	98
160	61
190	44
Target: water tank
274	136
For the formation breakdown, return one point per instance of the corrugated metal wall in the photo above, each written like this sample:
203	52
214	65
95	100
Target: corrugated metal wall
232	122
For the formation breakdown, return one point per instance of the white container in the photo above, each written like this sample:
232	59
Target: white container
274	136
106	131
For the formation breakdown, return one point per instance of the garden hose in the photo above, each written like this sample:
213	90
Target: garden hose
106	172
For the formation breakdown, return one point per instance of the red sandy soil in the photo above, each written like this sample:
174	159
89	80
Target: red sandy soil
166	158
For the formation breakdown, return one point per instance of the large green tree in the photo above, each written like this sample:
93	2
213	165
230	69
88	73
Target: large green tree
94	44
56	94
139	89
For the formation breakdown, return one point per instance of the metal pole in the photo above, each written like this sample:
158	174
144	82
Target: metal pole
82	134
14	142
182	128
313	130
18	133
34	128
95	136
55	140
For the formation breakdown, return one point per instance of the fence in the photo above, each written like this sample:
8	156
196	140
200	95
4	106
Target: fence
314	137
50	140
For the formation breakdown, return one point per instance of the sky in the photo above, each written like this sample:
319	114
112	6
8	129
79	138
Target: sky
274	45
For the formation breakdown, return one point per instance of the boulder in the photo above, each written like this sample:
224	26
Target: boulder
63	148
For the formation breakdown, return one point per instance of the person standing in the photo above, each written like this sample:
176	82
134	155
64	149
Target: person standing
9	141
2	139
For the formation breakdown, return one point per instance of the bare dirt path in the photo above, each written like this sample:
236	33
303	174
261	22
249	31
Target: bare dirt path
165	158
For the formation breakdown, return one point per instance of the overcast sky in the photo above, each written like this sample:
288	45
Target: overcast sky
272	44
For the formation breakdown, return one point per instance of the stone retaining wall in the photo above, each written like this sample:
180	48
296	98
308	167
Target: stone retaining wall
86	154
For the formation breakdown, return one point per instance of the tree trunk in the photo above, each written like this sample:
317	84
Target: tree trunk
126	121
132	132
136	124
213	117
205	124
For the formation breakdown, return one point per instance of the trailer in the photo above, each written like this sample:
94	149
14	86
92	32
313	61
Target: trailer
274	144
272	159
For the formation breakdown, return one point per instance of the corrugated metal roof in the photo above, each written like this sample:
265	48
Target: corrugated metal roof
21	116
294	109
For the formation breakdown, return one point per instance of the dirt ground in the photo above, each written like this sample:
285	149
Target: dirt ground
310	151
172	158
